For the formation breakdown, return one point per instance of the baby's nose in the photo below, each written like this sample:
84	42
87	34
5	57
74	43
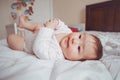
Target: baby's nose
75	41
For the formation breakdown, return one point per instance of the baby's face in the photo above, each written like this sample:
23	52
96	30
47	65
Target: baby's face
78	46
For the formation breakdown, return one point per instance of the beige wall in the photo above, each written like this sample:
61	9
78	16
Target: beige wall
4	16
72	11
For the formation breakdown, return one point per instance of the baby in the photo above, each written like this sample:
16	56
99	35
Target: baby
54	40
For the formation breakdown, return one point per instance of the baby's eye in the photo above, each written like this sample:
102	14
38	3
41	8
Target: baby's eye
78	48
79	36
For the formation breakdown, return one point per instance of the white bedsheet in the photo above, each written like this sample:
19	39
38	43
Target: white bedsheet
18	65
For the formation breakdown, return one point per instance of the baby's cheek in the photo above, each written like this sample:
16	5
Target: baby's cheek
70	53
67	54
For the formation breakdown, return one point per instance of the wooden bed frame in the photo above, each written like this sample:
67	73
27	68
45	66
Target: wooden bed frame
103	16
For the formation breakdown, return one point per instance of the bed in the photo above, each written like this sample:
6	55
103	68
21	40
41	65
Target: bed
18	65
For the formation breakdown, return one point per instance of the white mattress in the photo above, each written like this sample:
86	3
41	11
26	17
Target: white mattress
18	65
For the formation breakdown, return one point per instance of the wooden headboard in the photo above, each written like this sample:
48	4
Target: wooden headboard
103	16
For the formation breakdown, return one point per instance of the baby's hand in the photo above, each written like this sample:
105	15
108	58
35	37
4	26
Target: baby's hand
51	23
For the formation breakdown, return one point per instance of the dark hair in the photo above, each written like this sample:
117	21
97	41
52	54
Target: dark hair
99	48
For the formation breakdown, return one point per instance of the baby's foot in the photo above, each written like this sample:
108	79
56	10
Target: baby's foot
21	21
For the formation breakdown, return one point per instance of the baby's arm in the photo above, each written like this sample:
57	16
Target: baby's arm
41	44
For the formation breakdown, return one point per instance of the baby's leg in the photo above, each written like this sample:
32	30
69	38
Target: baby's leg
34	27
15	42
